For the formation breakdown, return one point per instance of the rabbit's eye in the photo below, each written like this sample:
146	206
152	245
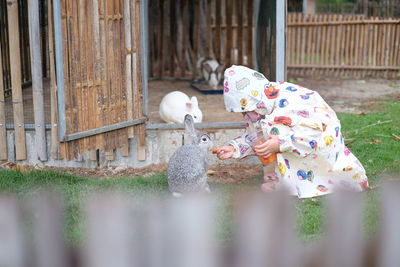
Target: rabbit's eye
204	139
195	117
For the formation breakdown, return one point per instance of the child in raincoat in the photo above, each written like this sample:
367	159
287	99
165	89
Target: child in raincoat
303	132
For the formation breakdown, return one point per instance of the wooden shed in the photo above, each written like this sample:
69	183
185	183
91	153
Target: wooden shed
82	79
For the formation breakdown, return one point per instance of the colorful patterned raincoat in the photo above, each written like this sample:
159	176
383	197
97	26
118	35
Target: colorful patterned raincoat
314	159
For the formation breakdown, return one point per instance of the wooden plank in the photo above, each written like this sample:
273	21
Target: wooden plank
344	231
92	87
83	108
297	50
108	114
12	242
388	40
99	22
314	41
289	41
250	34
396	57
54	144
37	80
209	39
389	235
16	78
303	41
333	41
161	41
47	227
108	225
218	31
309	30
140	129
265	246
3	132
375	45
172	39
128	62
229	34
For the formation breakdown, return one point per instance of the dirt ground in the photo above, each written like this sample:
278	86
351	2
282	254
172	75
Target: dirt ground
343	95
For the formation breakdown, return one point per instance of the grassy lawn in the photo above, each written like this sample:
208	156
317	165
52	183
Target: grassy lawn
369	136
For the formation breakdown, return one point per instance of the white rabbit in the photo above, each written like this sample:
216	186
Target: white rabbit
175	105
210	71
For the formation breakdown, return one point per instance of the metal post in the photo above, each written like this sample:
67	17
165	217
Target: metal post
280	40
37	79
60	68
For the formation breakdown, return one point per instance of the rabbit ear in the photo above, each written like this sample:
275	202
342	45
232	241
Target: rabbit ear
194	101
207	67
221	68
189	125
189	106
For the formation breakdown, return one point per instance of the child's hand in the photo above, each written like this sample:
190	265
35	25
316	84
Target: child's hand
225	152
269	147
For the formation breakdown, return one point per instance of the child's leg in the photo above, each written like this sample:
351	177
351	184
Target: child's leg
270	178
269	173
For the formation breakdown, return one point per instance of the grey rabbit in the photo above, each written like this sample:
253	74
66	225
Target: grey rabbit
187	167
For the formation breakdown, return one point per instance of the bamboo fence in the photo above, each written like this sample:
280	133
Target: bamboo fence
102	74
123	231
182	31
339	45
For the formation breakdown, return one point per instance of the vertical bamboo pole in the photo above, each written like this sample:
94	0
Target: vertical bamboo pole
54	149
140	41
3	133
37	79
98	42
15	63
128	62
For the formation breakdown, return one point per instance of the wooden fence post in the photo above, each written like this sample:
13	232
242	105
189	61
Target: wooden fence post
11	239
37	79
15	63
266	232
389	228
54	144
49	247
107	227
3	132
344	244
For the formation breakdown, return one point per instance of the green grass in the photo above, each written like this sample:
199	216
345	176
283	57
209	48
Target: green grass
367	137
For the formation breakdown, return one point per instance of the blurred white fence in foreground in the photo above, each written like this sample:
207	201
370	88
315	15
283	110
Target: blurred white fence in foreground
124	232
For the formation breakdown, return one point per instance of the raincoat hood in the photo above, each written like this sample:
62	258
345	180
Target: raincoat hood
248	90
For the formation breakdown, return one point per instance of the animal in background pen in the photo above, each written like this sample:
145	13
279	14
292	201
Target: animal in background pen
210	71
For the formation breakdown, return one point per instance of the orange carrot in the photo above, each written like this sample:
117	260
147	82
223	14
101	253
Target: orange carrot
215	150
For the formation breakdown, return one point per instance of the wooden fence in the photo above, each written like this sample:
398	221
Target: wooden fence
343	45
120	231
182	31
102	76
101	42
